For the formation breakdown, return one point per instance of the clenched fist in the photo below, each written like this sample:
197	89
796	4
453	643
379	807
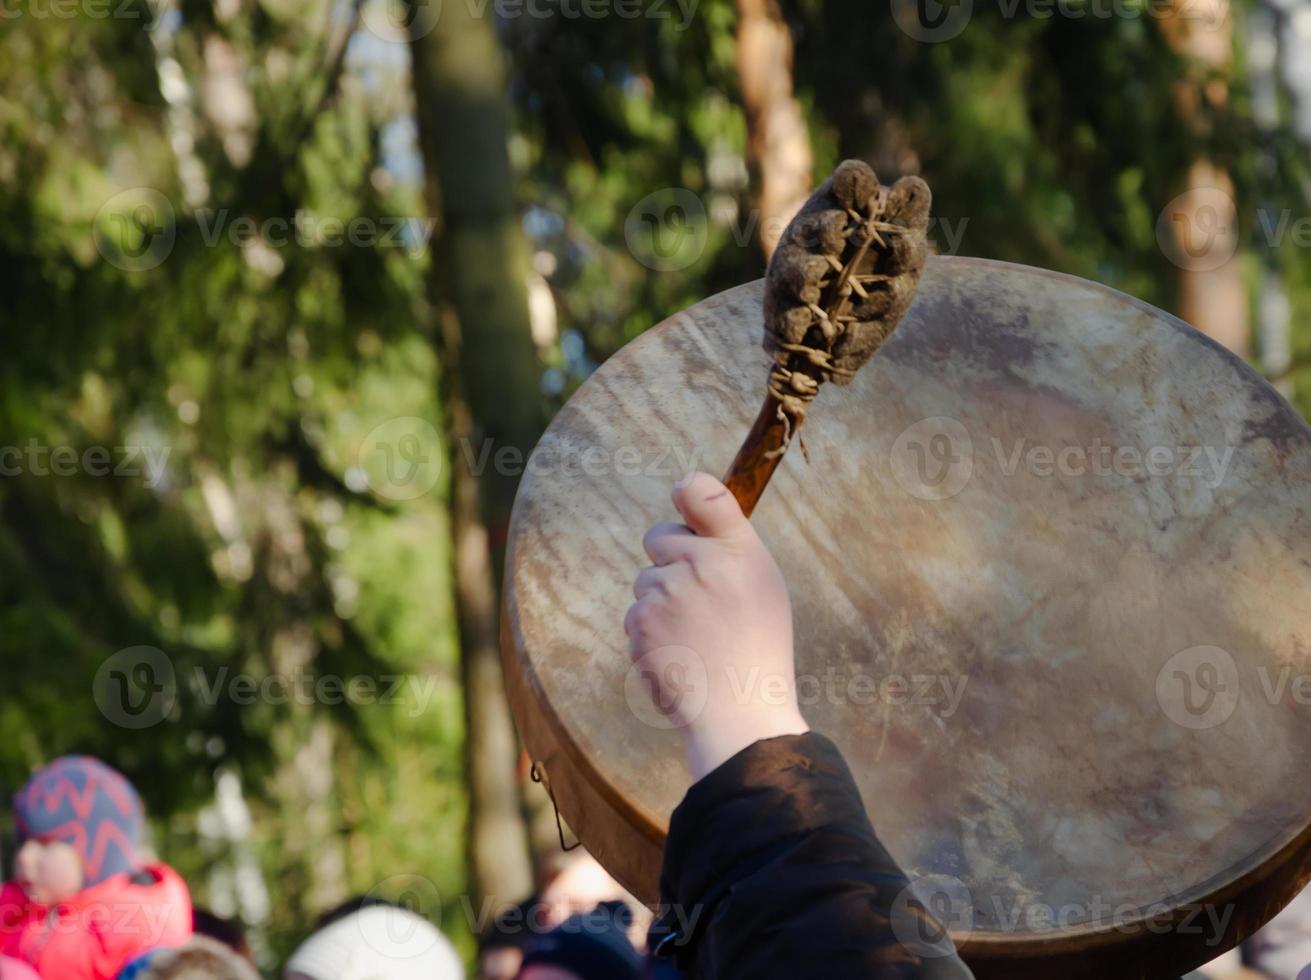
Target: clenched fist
711	630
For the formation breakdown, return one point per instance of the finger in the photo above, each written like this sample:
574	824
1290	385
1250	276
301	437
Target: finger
638	611
708	507
664	581
651	579
667	543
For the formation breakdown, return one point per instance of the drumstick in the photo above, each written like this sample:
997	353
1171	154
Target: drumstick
843	275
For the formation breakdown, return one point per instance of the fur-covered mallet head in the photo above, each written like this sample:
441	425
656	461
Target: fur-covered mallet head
843	275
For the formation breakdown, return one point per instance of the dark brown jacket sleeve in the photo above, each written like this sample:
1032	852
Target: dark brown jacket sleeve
772	869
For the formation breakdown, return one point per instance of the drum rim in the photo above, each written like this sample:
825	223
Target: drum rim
1251	872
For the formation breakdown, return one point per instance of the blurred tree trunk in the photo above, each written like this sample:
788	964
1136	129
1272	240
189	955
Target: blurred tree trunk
492	382
778	147
1205	222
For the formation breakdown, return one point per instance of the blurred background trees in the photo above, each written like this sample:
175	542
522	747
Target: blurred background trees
291	287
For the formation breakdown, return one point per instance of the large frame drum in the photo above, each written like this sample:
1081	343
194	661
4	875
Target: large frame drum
1050	564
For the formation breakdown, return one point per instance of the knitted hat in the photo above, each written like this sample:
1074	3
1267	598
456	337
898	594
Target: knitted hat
592	946
83	802
377	941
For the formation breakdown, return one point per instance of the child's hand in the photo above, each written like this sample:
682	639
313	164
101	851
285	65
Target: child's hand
712	628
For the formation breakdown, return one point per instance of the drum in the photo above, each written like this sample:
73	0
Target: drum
1050	562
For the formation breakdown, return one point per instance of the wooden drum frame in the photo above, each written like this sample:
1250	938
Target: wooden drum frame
1062	538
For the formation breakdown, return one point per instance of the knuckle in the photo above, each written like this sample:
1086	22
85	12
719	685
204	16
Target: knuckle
639	583
654	534
706	568
646	616
638	620
649	538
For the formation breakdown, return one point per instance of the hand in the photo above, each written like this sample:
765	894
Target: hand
712	617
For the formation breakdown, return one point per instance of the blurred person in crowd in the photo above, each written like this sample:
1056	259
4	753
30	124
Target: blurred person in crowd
1282	947
581	885
370	940
1230	967
85	900
230	932
578	885
570	883
12	969
501	946
591	946
200	958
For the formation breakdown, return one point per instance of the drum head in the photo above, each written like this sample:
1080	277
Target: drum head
1050	564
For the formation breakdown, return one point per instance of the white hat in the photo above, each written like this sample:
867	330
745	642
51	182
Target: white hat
379	942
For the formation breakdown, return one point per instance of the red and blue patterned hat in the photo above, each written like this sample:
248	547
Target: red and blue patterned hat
85	803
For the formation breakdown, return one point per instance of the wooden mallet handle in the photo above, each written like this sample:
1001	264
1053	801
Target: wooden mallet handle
761	452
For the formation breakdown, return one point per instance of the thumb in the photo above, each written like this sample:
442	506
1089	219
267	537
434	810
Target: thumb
708	507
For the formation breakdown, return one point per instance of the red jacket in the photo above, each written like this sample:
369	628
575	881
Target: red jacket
94	934
12	969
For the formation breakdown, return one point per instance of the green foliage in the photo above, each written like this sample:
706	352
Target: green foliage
254	369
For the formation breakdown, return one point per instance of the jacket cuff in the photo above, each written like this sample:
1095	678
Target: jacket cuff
772	791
